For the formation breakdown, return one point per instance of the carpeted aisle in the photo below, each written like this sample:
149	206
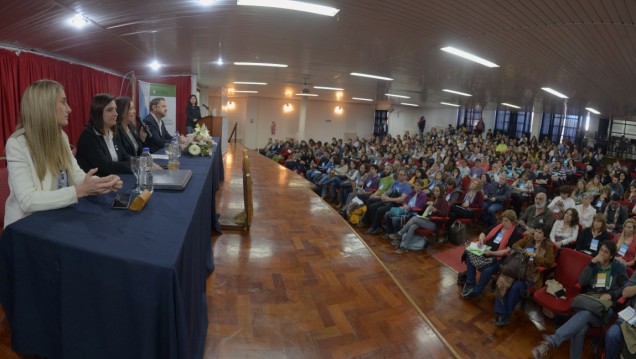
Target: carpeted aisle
452	258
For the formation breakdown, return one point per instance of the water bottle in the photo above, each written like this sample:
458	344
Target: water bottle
173	158
177	137
145	164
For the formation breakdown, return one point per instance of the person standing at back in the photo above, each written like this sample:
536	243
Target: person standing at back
158	135
193	113
43	174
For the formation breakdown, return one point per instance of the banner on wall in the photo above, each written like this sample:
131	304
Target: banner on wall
148	91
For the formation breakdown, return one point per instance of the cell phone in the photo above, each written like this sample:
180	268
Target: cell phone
122	200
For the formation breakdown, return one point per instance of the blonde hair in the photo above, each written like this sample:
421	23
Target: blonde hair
45	140
622	238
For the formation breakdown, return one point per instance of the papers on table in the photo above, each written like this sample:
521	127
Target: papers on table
629	315
159	157
475	248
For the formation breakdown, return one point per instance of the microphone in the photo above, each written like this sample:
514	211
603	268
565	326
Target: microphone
206	106
144	126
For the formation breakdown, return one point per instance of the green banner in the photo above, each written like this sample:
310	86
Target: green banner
157	90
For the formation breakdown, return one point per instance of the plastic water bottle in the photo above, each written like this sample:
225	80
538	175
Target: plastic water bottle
145	164
177	137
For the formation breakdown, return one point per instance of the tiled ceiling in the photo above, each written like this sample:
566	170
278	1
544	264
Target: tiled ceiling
583	48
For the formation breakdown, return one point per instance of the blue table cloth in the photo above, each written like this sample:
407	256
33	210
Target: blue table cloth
89	281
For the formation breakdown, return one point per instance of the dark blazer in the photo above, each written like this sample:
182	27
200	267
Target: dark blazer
155	141
193	114
92	152
584	241
127	143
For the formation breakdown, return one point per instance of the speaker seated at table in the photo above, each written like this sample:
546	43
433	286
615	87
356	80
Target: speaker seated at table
154	126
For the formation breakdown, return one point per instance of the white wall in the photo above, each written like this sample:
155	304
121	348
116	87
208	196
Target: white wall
254	116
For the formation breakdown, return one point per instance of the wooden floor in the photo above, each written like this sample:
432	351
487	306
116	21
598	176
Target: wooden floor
302	283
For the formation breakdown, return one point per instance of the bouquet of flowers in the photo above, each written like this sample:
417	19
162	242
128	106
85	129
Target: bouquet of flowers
198	143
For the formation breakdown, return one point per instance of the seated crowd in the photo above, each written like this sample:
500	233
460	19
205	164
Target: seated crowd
546	196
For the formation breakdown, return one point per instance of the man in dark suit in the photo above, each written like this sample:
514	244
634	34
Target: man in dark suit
158	135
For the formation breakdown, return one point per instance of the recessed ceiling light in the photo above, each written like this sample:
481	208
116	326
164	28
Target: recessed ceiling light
219	61
328	88
362	99
409	104
449	104
155	65
398	96
78	21
249	83
264	64
291	5
510	105
594	111
307	94
456	92
554	92
371	76
469	56
245	91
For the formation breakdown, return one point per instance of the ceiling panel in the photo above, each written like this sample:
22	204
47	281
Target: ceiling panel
586	48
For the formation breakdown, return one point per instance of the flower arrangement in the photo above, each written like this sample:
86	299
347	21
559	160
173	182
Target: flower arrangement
199	142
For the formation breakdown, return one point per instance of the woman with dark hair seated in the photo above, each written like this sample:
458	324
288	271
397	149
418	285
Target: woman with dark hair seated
98	145
130	139
540	251
496	242
589	238
604	276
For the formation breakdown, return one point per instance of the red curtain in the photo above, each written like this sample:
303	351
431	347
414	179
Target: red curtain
19	69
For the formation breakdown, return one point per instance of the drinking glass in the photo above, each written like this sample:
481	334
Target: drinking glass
134	166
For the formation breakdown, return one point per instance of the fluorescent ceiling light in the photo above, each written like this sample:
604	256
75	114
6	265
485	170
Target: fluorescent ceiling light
291	5
409	104
264	64
307	94
362	99
469	56
449	104
78	21
596	112
456	92
398	96
371	76
155	65
509	105
554	92
328	88
245	91
249	83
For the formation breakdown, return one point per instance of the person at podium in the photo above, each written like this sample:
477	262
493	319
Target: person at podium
154	126
193	113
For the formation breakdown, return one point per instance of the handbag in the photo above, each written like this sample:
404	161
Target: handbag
457	234
516	264
593	304
479	261
397	212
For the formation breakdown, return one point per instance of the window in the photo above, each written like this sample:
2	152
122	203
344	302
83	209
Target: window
622	128
513	123
556	127
469	117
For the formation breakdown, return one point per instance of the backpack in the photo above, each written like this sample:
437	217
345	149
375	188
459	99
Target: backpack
417	243
356	215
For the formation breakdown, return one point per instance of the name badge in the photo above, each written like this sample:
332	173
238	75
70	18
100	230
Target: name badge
498	238
622	250
448	196
381	186
594	244
369	183
601	278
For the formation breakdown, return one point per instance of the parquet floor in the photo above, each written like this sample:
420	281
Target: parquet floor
302	283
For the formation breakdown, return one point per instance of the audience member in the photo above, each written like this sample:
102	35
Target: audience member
615	214
585	210
589	238
565	231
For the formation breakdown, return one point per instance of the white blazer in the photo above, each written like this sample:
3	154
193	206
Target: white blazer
27	193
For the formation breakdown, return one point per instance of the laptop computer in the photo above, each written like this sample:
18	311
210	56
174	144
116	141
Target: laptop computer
171	179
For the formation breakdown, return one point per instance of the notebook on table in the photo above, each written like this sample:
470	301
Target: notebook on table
171	179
